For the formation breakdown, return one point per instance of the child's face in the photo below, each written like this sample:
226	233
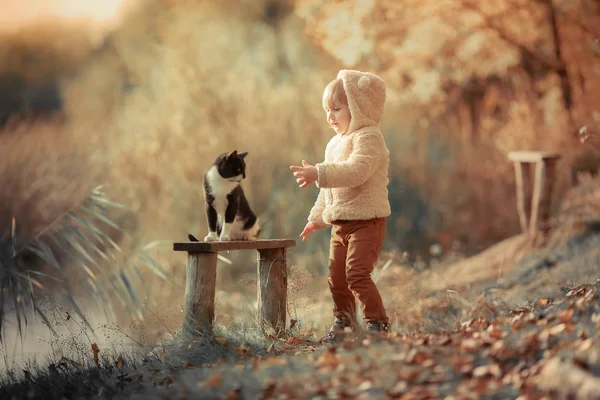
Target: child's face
338	117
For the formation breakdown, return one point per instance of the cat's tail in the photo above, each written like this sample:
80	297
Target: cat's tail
192	238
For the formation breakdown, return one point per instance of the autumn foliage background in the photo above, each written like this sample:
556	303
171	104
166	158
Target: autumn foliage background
145	108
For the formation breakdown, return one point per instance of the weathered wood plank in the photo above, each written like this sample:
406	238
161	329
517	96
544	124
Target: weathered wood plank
201	279
531	156
201	247
272	288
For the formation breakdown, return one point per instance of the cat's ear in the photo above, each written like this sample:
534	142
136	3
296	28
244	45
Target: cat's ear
232	154
242	155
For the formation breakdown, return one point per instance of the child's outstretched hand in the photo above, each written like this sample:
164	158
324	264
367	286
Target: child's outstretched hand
306	174
308	229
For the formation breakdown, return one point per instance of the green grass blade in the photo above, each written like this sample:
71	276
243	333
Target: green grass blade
101	218
101	198
95	232
43	274
155	267
45	320
45	254
113	244
79	249
98	234
155	244
89	272
128	287
16	303
117	290
73	302
13	236
140	277
2	286
66	250
72	226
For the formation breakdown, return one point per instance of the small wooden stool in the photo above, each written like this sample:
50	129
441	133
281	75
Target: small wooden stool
201	276
534	201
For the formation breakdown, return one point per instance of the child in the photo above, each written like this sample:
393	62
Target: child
353	197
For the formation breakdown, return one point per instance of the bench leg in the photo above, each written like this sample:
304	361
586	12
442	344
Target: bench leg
523	184
201	277
538	190
547	187
272	288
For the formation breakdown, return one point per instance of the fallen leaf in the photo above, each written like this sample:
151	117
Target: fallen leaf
399	389
213	381
119	362
269	389
566	315
167	380
487	370
555	330
469	344
233	394
188	365
244	349
586	344
221	340
577	291
275	361
364	386
581	363
294	340
96	350
416	357
495	333
328	359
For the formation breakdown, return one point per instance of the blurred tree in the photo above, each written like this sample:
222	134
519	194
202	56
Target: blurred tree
491	76
33	61
20	99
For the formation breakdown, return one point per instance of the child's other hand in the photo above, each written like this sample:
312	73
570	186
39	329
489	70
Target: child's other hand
306	174
308	230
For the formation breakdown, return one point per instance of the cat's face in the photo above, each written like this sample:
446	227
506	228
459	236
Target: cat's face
231	166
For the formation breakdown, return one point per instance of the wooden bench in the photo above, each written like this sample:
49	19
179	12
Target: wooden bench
201	275
534	199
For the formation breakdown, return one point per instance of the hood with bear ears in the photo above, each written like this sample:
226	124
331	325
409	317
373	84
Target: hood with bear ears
366	97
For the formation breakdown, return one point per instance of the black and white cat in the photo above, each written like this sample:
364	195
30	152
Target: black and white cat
228	212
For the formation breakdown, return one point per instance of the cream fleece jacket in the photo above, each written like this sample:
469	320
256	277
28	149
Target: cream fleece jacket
353	178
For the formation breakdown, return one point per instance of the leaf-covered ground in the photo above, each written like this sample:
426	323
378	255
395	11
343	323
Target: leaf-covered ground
546	349
536	351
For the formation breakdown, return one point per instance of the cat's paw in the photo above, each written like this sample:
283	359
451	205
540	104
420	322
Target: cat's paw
225	238
211	237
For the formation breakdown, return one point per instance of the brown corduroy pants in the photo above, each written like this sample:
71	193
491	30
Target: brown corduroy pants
354	249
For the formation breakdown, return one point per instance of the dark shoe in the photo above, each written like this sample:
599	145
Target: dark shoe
336	333
375	327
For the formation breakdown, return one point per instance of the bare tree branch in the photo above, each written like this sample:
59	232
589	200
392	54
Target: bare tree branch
555	65
565	83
